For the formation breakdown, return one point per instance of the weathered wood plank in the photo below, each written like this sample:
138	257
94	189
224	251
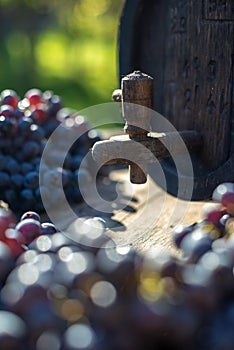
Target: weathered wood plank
187	47
145	221
147	226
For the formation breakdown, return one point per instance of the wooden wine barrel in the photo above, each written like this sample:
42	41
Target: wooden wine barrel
187	46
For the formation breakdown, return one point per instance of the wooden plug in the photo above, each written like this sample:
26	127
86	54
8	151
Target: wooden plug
137	91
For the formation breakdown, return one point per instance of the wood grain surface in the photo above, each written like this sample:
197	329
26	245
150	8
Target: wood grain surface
153	216
143	215
187	47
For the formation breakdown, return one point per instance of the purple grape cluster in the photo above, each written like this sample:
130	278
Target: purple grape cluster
77	290
25	126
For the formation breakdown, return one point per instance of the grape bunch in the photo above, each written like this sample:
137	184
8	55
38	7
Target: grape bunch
77	290
25	126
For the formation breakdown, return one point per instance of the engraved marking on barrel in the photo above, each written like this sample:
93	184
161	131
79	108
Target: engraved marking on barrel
210	106
186	69
196	63
178	21
224	106
212	71
187	95
219	10
196	93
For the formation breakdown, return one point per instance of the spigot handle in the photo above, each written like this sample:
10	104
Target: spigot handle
137	89
137	93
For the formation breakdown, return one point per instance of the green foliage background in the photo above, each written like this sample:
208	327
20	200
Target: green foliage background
68	46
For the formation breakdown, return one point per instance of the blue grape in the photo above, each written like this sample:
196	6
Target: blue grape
19	156
27	194
26	199
7	111
4	179
18	114
17	181
180	232
9	97
26	167
30	150
2	142
18	141
49	126
47	95
32	180
31	215
10	196
6	126
47	228
24	126
36	161
12	166
7	145
55	104
37	133
3	162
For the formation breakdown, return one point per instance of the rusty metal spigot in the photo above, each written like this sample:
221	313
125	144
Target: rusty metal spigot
138	148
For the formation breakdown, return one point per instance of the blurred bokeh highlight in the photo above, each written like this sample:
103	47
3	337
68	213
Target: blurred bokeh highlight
69	47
